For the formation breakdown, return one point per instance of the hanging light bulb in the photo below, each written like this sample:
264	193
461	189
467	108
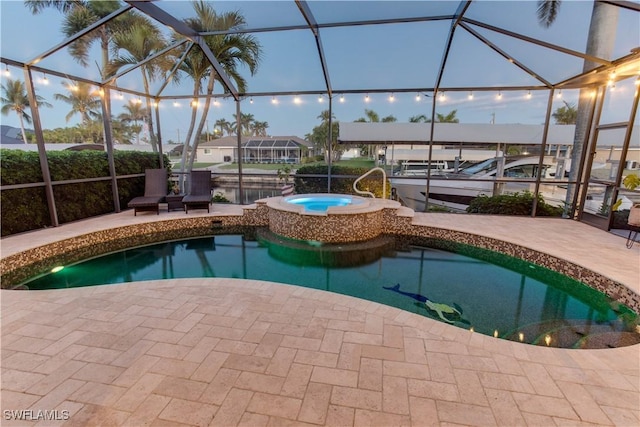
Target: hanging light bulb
471	95
366	98
296	100
216	102
529	95
418	97
391	98
559	95
342	98
251	101
274	100
176	104
45	80
499	95
442	96
6	71
320	99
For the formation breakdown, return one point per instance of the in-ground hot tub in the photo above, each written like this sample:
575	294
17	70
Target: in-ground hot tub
328	218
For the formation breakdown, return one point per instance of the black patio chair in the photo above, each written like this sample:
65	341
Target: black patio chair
155	190
199	196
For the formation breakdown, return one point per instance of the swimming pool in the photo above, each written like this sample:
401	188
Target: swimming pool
492	294
322	202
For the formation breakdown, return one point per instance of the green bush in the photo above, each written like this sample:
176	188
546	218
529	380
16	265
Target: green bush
512	204
26	209
303	185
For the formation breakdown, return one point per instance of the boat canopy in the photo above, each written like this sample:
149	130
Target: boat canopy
472	133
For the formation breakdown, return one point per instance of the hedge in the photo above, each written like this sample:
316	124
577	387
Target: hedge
512	204
304	185
26	209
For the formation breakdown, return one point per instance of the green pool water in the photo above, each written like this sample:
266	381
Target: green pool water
468	287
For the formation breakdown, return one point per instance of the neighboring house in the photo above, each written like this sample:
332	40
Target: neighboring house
10	136
255	149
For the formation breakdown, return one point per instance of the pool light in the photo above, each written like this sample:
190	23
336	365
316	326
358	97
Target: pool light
547	340
57	268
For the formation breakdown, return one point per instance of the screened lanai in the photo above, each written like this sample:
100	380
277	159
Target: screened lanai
325	61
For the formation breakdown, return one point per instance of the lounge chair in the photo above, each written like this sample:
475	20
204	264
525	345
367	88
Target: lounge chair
155	190
199	196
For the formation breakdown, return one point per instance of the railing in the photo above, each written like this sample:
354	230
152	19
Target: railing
384	183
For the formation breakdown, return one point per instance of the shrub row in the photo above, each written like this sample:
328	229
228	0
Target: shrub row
304	185
512	204
26	208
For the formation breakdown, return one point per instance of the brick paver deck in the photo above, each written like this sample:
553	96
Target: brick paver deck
199	352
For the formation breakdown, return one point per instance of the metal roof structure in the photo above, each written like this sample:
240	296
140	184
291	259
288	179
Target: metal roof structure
499	42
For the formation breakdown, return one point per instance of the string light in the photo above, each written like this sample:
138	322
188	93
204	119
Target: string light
418	97
366	98
499	95
529	95
274	100
216	102
320	99
342	98
559	95
251	101
391	98
45	80
296	99
471	95
6	70
442	96
176	104
120	95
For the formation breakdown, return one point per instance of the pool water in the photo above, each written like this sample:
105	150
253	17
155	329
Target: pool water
320	204
516	301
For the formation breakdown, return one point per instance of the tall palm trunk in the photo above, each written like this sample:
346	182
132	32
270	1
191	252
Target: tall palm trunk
149	118
203	118
24	133
600	43
185	148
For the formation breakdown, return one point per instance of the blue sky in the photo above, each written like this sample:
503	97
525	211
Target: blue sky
359	58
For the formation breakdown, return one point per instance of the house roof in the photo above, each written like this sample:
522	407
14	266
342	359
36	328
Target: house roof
231	141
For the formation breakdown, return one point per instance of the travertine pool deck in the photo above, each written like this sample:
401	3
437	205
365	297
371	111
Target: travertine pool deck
243	352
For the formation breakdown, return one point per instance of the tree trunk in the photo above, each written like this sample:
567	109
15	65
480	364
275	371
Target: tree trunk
185	147
203	119
600	43
24	134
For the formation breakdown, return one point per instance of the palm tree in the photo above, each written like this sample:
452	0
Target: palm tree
320	135
230	49
133	46
78	15
449	118
224	126
566	115
600	44
83	100
246	123
259	128
373	117
14	98
135	113
421	118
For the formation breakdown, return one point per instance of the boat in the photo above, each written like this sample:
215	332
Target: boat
455	190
